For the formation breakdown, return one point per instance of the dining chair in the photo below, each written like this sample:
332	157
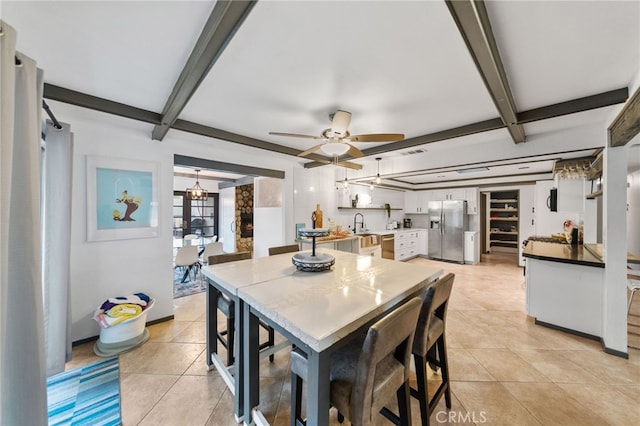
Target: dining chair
283	249
227	306
429	346
210	250
187	257
366	375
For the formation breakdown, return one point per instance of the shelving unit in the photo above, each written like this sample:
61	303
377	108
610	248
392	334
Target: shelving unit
503	222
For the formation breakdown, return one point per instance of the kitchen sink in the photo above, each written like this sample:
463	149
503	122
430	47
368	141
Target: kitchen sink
369	240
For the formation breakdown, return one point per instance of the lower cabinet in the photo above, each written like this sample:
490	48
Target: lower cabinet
406	245
423	241
471	247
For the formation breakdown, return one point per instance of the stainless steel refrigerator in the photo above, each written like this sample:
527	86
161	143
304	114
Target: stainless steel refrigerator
447	223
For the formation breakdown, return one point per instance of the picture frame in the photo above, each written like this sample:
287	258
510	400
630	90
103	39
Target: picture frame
122	199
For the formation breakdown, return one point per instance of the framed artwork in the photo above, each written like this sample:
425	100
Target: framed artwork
122	199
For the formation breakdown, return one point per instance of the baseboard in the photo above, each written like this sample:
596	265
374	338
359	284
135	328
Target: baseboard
607	350
567	330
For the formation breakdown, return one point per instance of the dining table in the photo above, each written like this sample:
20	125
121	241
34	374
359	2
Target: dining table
316	311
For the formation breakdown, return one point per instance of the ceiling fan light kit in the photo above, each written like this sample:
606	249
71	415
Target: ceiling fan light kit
335	148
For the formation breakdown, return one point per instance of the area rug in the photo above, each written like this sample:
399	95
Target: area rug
190	287
88	395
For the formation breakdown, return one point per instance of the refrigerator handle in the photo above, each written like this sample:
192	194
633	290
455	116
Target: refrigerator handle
442	224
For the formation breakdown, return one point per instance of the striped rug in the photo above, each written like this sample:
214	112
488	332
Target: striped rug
88	395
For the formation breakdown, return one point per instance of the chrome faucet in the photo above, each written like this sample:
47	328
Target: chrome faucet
355	222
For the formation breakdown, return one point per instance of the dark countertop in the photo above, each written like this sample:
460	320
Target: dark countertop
563	253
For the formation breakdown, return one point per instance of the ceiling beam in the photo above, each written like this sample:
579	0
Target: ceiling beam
600	100
212	132
627	124
83	100
95	103
225	19
469	129
612	97
202	163
472	20
202	177
68	96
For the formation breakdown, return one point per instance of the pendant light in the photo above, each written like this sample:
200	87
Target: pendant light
197	192
345	183
378	180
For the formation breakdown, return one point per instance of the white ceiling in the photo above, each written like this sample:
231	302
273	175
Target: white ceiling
399	67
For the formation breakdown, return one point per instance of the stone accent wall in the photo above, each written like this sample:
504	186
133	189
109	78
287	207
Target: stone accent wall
244	205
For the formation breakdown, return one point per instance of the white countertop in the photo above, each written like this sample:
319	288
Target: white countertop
391	231
320	308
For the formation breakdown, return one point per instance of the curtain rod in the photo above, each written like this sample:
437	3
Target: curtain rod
56	124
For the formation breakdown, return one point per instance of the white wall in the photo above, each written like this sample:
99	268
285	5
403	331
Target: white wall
318	186
548	222
105	269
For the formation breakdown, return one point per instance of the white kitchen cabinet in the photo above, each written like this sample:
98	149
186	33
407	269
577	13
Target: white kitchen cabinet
471	195
471	247
406	245
423	241
415	202
447	194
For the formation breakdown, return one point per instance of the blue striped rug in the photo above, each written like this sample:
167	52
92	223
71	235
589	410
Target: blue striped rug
88	395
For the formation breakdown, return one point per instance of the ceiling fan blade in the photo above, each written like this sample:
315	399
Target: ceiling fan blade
376	137
310	150
295	135
349	165
354	152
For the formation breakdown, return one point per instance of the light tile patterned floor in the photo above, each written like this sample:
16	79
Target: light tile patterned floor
505	369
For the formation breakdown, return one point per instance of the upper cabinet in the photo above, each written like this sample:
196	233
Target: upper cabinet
447	194
471	195
415	202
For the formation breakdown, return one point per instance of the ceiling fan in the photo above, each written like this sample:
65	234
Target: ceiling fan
337	137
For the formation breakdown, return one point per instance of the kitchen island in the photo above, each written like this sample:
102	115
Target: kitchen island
564	287
316	311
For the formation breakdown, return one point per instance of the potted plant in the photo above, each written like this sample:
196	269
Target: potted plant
387	207
354	202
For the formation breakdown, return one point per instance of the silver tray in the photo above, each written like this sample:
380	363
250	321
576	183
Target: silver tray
309	263
307	232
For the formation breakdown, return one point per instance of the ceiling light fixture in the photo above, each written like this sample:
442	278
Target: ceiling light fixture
335	149
345	183
197	192
378	180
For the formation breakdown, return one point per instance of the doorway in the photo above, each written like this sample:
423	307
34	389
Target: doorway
199	217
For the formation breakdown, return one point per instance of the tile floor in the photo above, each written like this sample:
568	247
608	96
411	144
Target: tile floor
505	369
